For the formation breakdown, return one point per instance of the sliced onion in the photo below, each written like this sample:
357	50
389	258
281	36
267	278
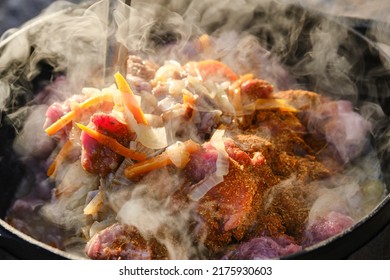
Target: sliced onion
89	91
94	205
178	155
99	226
196	86
150	137
223	158
170	70
206	185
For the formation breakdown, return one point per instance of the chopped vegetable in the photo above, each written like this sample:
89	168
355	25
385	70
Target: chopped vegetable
72	115
94	205
59	158
112	143
188	98
129	99
150	137
160	161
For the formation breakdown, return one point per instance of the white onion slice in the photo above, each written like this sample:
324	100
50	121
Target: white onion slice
94	205
151	137
223	158
209	183
178	155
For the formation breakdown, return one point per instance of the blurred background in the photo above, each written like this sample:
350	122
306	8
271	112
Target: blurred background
13	13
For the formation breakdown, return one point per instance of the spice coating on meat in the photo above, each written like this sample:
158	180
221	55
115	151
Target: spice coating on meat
123	242
97	158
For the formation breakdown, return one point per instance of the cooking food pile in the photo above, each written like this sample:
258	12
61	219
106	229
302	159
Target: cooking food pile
195	161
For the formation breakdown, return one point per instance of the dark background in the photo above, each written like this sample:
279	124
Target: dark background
13	13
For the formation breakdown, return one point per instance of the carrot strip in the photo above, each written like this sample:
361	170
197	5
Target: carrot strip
157	162
112	143
147	166
70	116
188	98
59	158
129	99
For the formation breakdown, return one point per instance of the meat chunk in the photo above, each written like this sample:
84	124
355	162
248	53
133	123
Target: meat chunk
139	73
264	247
255	88
282	128
97	158
333	223
301	99
138	67
287	205
123	242
229	209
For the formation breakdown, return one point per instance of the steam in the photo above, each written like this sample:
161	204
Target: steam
74	41
151	209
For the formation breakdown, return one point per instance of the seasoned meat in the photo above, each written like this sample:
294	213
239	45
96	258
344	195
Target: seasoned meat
140	68
97	158
256	88
229	209
285	206
282	128
123	242
301	99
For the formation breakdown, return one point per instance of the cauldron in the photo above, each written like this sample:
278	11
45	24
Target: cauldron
369	71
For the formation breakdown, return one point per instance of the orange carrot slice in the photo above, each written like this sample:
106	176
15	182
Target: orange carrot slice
188	98
129	99
112	143
70	116
147	166
59	158
157	162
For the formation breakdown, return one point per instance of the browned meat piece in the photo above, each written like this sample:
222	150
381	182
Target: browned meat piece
282	128
97	158
335	129
288	204
123	242
288	192
301	99
229	209
140	68
255	88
